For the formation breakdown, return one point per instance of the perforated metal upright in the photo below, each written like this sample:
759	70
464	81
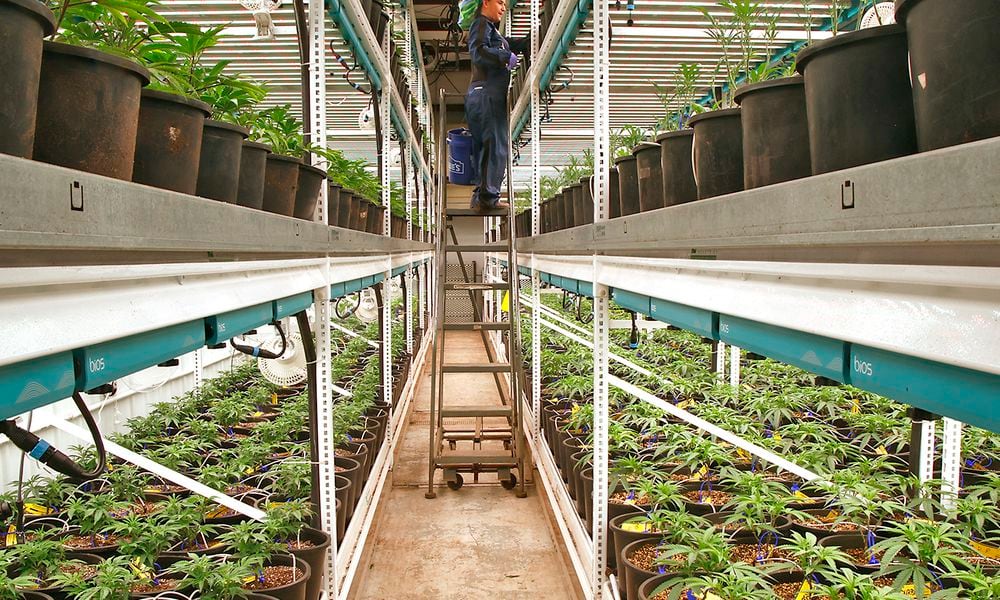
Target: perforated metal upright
498	426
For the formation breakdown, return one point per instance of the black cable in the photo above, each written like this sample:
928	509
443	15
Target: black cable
343	315
47	454
256	351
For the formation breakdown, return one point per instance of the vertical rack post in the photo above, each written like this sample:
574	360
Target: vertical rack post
536	324
324	434
734	366
951	461
199	367
321	304
602	103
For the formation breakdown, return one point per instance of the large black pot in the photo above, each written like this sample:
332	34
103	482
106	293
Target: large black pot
359	221
311	180
954	47
679	185
587	189
292	591
281	183
315	557
858	99
615	194
631	575
345	510
568	208
88	110
333	204
253	169
351	469
775	132
168	141
650	172
717	154
221	153
374	223
23	24
578	209
628	185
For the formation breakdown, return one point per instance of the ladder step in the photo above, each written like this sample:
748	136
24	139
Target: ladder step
475	212
476	411
476	248
478	459
475	368
477	326
475	286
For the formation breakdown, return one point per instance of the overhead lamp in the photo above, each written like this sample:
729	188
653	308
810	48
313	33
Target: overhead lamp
261	10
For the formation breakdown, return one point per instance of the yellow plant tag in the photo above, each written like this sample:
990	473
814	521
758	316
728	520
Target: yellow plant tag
987	550
258	414
636	527
11	536
711	596
777	437
881	451
855	408
703	471
683	404
37	510
249	471
274	398
832	515
215	513
140	569
505	303
911	590
744	454
804	591
800	495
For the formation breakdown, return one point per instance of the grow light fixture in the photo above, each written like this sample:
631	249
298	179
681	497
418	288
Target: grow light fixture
261	10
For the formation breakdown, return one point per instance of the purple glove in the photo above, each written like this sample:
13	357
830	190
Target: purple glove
512	62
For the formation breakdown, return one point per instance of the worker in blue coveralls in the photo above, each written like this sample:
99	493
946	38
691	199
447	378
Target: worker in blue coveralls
493	58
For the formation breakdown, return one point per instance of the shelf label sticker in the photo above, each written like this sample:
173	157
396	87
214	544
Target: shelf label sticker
986	550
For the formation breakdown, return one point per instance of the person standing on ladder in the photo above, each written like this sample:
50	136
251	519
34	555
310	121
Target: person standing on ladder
493	58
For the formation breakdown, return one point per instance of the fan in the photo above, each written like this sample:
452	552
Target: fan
883	13
290	367
366	119
367	311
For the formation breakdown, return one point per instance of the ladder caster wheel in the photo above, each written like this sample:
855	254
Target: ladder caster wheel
452	444
506	444
509	484
457	484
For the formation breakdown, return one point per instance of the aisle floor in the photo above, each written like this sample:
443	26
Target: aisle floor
478	542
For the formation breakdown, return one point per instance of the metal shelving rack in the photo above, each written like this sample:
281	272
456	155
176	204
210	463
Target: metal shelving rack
922	328
89	262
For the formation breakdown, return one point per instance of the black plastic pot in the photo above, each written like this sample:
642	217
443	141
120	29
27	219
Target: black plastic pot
556	212
628	185
253	169
621	537
295	590
647	590
679	186
168	141
717	154
576	203
374	221
631	575
315	557
775	132
568	208
587	189
650	172
58	593
345	510
29	595
88	110
219	168
346	208
23	24
360	222
954	47
311	180
333	205
858	99
281	183
615	193
351	469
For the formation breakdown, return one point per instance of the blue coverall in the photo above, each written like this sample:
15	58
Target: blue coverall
486	107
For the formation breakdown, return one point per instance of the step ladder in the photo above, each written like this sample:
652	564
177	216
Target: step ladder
466	437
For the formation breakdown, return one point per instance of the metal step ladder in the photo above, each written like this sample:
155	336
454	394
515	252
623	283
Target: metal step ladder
465	437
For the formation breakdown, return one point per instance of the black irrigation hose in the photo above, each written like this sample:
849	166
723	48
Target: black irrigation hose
581	315
256	351
345	314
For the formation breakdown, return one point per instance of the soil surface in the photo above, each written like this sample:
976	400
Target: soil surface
756	554
622	498
712	497
162	585
861	556
86	542
275	577
643	557
300	544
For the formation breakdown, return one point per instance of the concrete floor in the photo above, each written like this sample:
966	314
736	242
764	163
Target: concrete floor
479	542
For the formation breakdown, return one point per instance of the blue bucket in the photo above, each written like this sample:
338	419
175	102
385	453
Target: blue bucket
461	170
